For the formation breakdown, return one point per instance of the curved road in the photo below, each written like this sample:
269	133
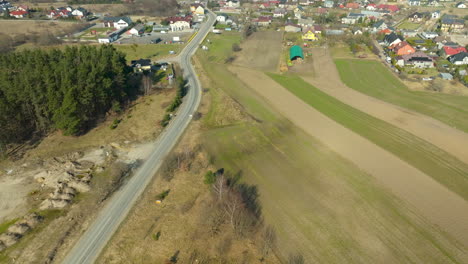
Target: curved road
91	243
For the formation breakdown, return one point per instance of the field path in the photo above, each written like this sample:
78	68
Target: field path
327	79
435	202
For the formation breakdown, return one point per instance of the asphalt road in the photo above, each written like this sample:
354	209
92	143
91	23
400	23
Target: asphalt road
95	238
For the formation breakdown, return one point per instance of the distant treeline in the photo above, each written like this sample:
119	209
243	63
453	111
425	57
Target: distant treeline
83	2
67	90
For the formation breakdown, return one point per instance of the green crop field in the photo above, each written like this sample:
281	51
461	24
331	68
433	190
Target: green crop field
372	78
320	204
428	158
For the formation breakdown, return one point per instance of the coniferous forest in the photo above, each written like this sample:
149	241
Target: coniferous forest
66	89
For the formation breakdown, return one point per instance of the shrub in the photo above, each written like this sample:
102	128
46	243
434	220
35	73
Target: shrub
163	195
157	235
115	123
210	177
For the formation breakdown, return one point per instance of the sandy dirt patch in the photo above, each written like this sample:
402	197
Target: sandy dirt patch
327	79
422	192
261	51
13	193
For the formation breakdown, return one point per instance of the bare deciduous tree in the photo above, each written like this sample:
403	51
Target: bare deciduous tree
219	186
232	206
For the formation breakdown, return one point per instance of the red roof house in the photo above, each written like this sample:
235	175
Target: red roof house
391	8
403	48
449	51
352	5
18	13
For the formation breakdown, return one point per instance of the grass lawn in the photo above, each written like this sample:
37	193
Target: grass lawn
147	51
372	78
408	25
310	194
220	45
433	161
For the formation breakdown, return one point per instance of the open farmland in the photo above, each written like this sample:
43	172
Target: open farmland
326	78
421	154
19	27
308	192
261	51
363	76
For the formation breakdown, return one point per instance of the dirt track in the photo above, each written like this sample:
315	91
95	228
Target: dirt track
435	202
327	79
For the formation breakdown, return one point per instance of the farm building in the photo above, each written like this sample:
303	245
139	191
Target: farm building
295	52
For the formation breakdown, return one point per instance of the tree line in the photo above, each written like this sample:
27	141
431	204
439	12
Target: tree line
66	89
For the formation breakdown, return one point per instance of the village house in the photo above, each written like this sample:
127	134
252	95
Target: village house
414	2
305	22
328	4
392	39
116	22
433	3
317	29
279	12
429	35
459	58
461	5
309	36
233	3
353	5
448	51
79	12
416	17
221	19
141	64
379	25
111	37
451	23
402	48
137	30
418	60
371	7
179	23
263	21
435	15
352	18
197	9
290	27
409	33
19	13
391	8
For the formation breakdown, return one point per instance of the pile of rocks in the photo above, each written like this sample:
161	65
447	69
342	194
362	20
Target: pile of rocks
17	231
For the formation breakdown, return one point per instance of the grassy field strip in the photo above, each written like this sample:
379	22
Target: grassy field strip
421	154
373	79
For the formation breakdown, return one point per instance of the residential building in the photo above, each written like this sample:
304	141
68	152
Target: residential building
433	3
416	17
197	9
418	59
317	29
403	48
379	25
141	64
309	36
392	39
353	5
110	37
414	2
179	23
233	3
461	5
263	21
452	23
117	22
391	8
137	30
305	22
279	12
429	35
18	13
80	12
448	51
371	7
409	33
328	4
435	15
221	19
352	18
459	58
292	28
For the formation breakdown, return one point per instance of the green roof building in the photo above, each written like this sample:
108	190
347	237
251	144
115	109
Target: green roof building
295	52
